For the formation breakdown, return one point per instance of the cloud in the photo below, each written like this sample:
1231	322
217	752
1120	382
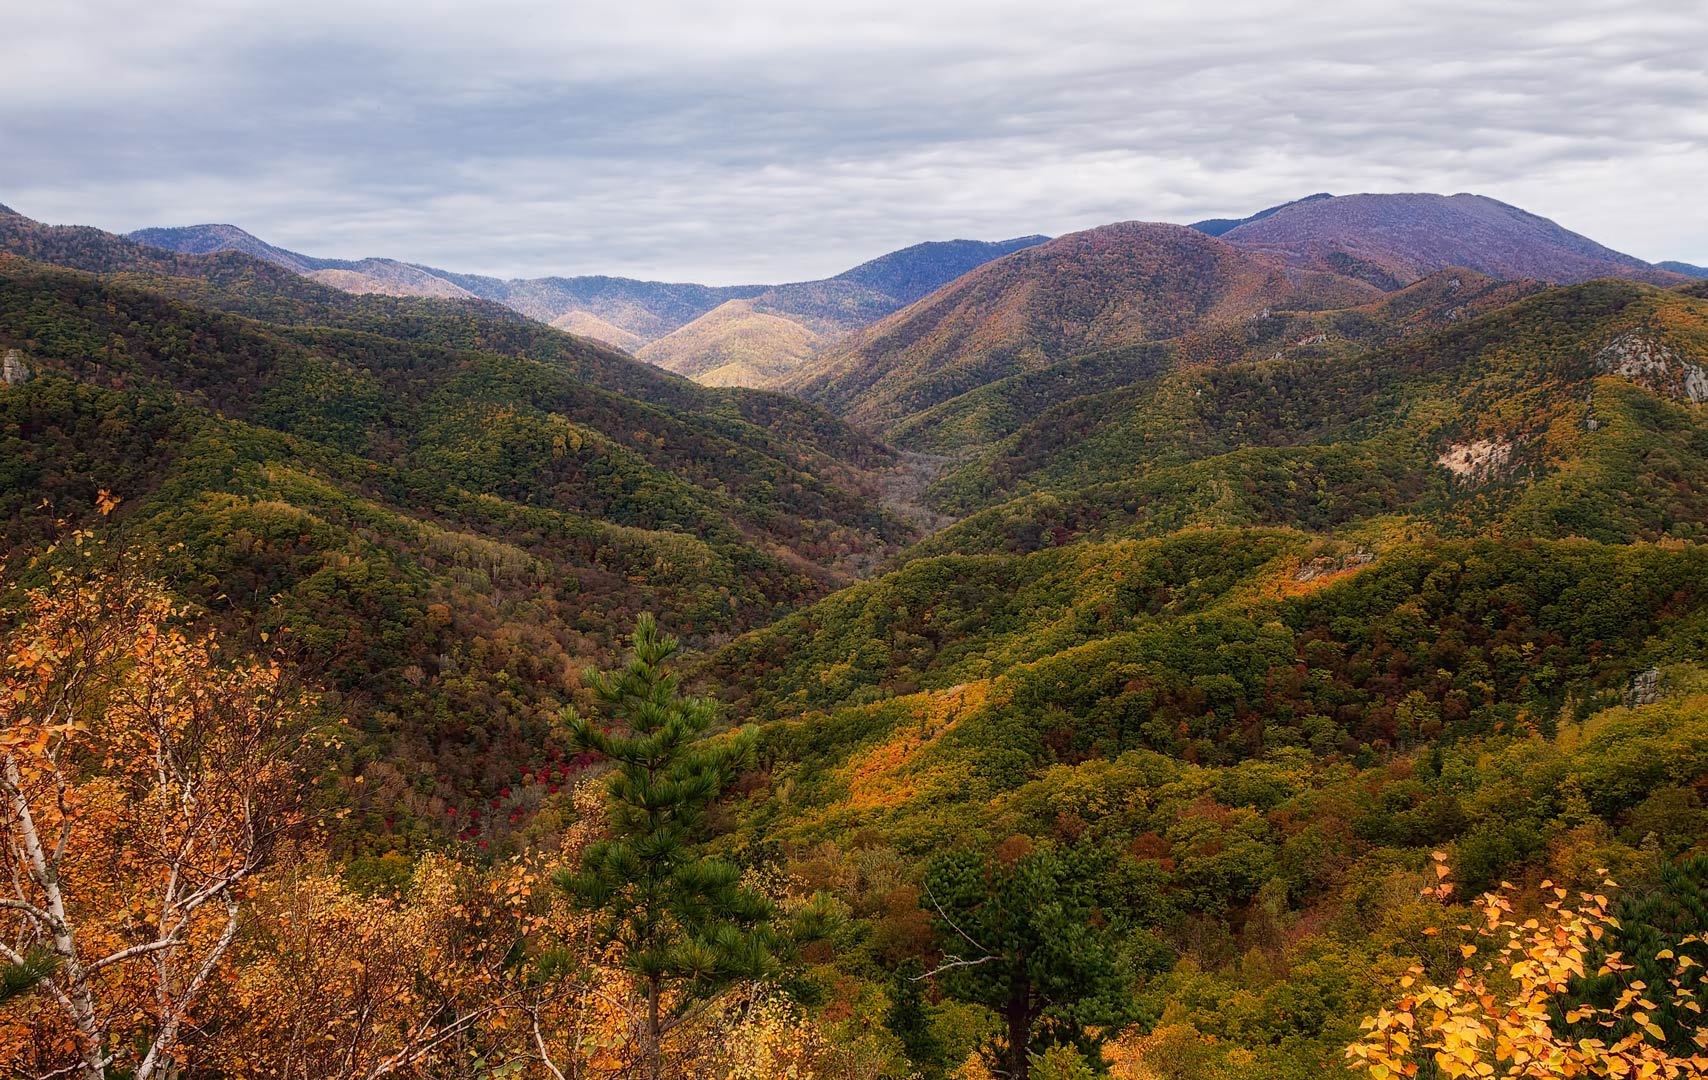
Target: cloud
755	140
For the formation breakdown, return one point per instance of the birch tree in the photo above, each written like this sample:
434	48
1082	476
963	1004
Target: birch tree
143	782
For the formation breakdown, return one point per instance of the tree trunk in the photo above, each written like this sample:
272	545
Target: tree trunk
76	997
1019	1017
654	1052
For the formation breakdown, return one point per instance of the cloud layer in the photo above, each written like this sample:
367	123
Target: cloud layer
756	140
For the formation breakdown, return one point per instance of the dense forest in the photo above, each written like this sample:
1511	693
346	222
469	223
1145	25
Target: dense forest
1311	680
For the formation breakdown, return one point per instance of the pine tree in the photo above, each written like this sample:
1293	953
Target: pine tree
25	974
1023	936
685	927
908	1020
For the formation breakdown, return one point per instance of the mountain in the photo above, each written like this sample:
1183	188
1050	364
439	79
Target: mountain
770	337
210	239
1219	226
1684	268
646	309
447	507
624	310
1117	285
998	409
873	289
1080	300
588	325
1560	414
734	345
628	313
385	277
1393	240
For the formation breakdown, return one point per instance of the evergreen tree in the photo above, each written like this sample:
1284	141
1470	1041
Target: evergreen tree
19	977
685	926
908	1020
1022	936
1668	919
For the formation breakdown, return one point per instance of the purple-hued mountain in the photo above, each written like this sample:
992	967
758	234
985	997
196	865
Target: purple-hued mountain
1393	240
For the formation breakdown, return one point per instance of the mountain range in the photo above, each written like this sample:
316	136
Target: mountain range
1122	286
744	334
1331	250
1250	569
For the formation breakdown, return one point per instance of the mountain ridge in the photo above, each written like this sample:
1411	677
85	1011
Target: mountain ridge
1404	237
630	312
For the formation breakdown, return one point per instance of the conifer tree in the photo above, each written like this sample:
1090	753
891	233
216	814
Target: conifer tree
1022	935
685	926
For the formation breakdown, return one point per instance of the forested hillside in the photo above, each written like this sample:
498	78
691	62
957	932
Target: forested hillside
446	510
1117	285
1173	657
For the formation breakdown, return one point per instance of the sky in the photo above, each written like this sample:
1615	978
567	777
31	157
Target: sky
731	141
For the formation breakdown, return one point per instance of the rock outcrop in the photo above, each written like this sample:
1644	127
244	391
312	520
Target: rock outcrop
13	370
1653	366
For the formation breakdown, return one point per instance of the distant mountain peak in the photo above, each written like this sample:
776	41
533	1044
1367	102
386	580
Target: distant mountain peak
213	238
1218	226
1392	239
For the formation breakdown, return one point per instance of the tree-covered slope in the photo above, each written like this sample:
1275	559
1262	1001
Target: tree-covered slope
998	409
1576	411
1112	286
734	344
444	510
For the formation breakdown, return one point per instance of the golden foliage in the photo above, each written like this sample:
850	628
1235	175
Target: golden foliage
1498	1015
143	782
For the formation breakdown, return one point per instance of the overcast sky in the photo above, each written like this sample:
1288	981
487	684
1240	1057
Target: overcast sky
762	140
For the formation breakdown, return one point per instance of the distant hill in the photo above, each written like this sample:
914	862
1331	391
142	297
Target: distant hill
629	313
1218	226
387	277
786	324
873	289
1393	240
637	311
1111	286
1684	268
588	325
210	239
733	345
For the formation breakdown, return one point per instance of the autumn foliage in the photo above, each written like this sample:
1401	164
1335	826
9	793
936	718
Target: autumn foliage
145	781
1505	1011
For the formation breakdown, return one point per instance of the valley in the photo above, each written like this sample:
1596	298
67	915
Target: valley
1179	604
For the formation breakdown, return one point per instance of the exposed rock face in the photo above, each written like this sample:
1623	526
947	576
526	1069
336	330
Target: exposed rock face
13	370
1324	565
1645	688
1477	461
1654	367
